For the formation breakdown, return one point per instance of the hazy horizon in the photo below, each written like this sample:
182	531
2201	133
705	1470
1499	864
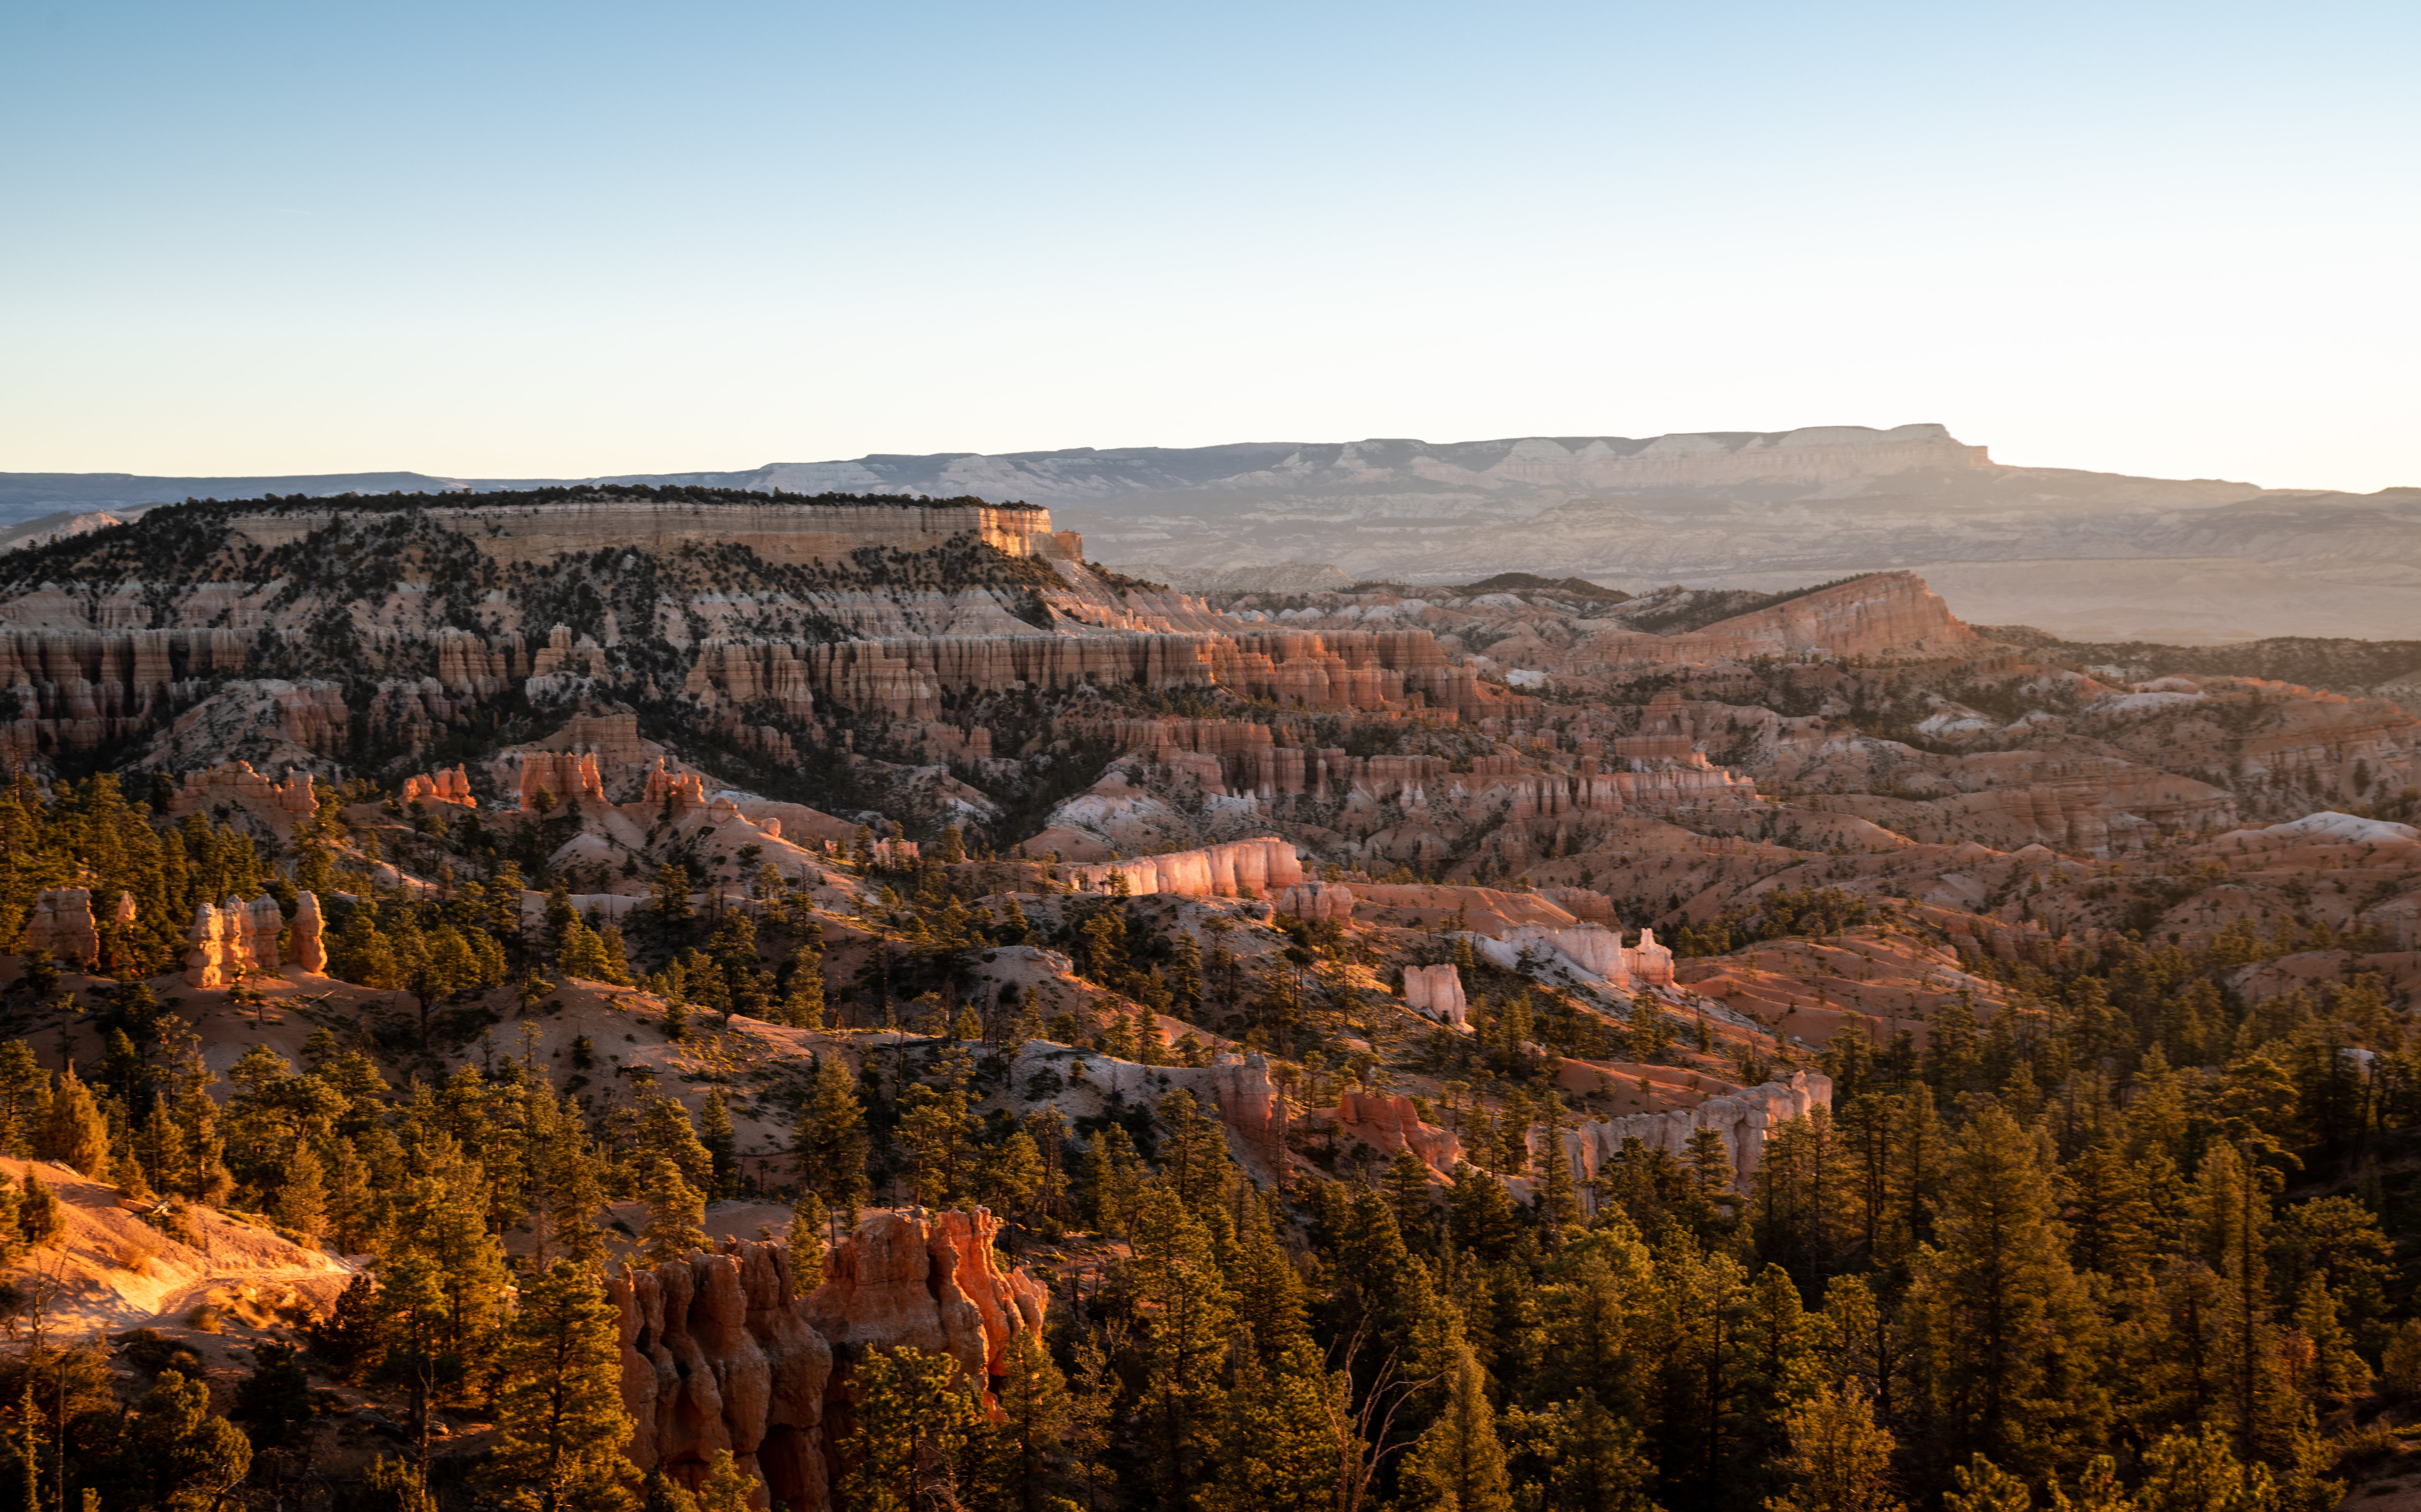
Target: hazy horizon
548	241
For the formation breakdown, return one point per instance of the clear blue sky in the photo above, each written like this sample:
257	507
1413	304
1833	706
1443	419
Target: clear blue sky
514	238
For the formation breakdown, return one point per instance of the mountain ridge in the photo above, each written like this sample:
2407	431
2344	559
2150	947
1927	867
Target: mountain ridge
2093	556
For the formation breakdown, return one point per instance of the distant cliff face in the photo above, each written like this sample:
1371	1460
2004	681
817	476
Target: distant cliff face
2088	555
785	532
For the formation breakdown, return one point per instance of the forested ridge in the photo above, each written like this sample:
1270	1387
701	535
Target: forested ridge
2135	1240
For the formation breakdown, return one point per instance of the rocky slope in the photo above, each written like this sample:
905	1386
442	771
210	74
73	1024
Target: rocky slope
1315	877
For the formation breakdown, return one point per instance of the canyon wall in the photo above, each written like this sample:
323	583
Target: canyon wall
720	1353
1239	868
782	532
1741	1119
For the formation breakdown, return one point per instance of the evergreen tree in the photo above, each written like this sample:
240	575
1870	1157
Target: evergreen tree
1278	1449
1839	1460
1984	1486
38	1212
303	1201
561	1429
727	1486
1597	1463
77	1135
1021	1455
912	1420
808	1223
1408	1194
829	1139
2010	1340
1459	1464
1559	1202
722	1148
676	1215
1187	1309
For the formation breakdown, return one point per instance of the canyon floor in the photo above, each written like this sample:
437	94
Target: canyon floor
668	795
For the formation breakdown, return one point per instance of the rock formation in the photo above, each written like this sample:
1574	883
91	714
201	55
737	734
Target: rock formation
565	777
1391	1123
1257	868
926	1281
211	960
681	789
785	532
1247	1101
62	924
281	805
444	786
306	947
235	940
1592	947
1314	900
715	1356
1437	990
1741	1119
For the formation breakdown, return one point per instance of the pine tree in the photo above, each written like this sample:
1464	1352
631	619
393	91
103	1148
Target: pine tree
77	1135
808	1225
1020	1455
1408	1194
1984	1486
722	1148
1559	1202
303	1201
803	1006
1459	1464
1701	1367
676	1215
1278	1450
829	1139
1268	1289
1591	1308
1839	1460
561	1429
2190	1472
911	1419
726	1488
1187	1311
38	1218
575	1195
2009	1338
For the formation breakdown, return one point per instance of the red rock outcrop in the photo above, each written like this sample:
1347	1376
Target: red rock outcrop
441	786
1743	1119
74	688
1248	1105
209	958
905	677
1258	868
280	804
233	941
752	672
1593	947
306	949
681	789
930	1281
62	924
1882	614
1314	900
1390	1122
716	1355
566	776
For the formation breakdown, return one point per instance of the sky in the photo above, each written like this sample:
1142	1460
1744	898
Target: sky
527	240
